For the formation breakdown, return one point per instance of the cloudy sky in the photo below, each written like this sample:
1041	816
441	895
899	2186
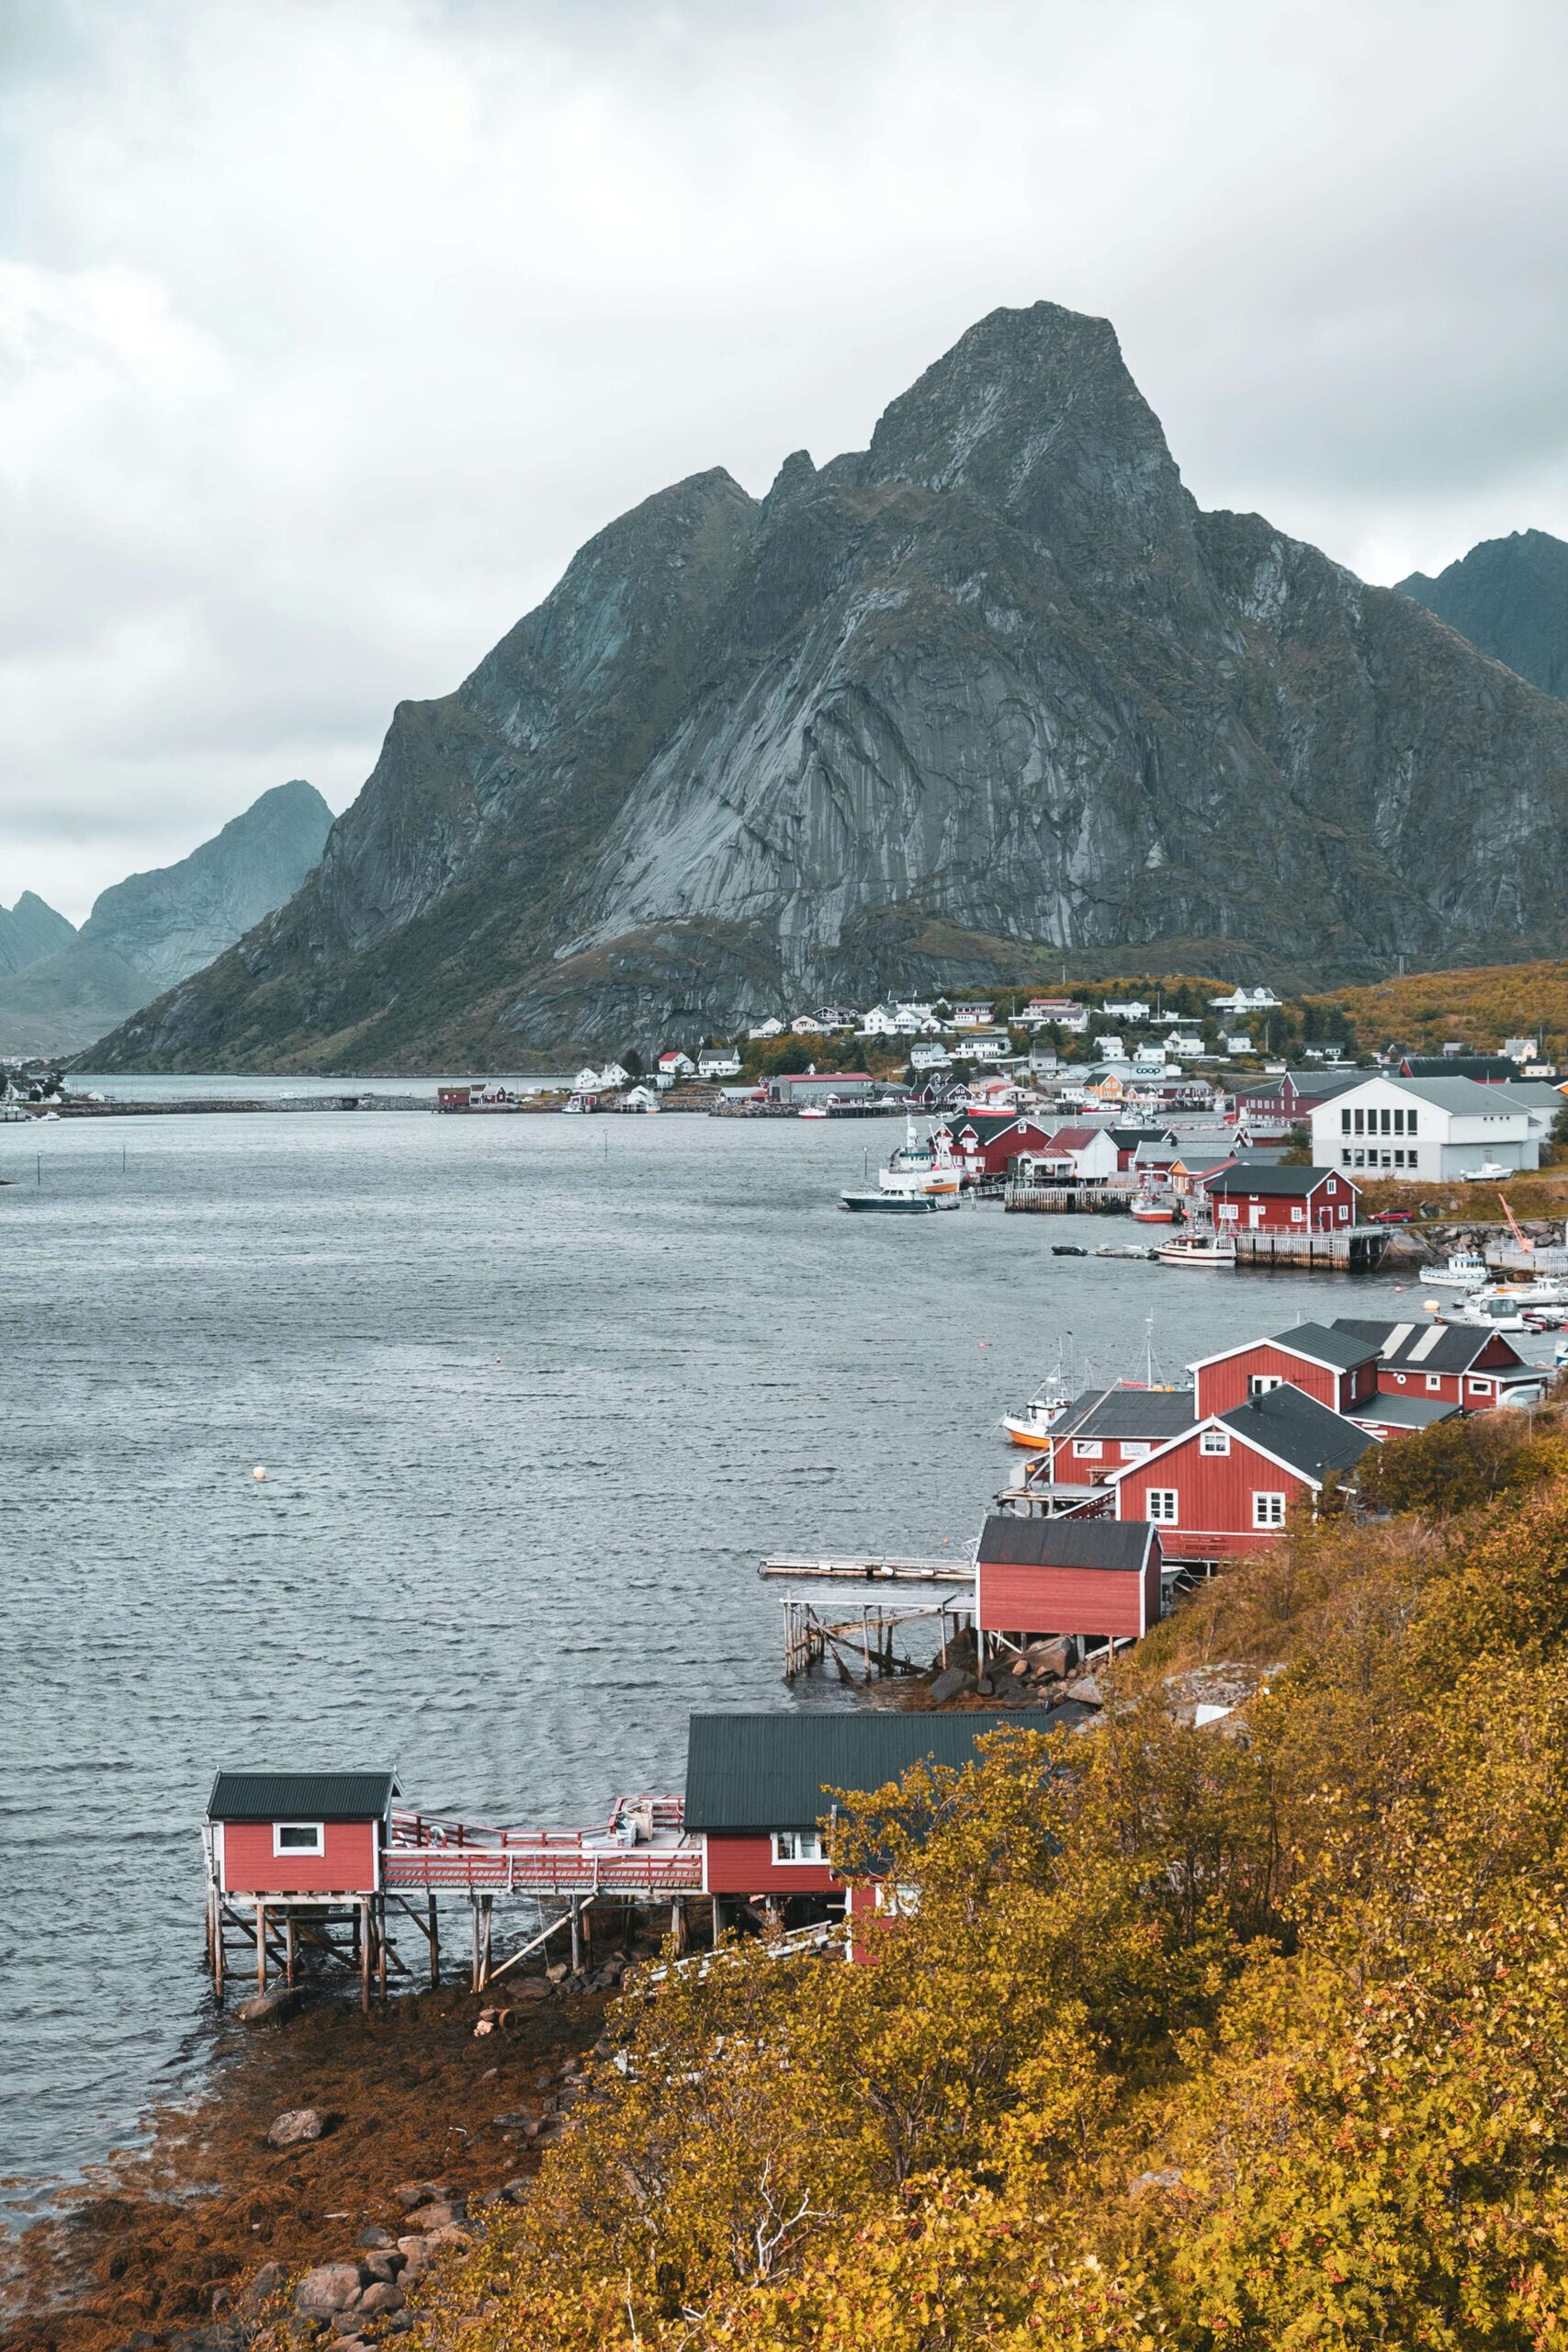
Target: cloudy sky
329	328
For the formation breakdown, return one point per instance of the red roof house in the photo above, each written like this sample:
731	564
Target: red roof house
1252	1198
1451	1363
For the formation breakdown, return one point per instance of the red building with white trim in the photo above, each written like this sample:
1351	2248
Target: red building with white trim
1453	1363
1252	1197
1096	1578
986	1142
1333	1363
299	1833
1231	1485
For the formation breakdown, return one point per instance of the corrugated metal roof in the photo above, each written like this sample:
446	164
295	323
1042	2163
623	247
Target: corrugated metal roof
1333	1343
1016	1542
772	1771
1424	1347
1128	1412
300	1796
1299	1430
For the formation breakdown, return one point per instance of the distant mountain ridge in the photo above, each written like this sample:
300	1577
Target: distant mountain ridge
30	930
154	928
993	686
1509	597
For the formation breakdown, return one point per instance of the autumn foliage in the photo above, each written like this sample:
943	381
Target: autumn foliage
1250	2035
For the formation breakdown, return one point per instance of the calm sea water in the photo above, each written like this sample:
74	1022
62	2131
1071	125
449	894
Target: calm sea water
533	1397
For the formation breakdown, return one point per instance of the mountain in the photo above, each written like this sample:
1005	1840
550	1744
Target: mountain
154	928
992	682
29	930
1510	597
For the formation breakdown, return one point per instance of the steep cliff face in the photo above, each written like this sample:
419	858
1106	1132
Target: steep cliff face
155	928
992	686
1510	597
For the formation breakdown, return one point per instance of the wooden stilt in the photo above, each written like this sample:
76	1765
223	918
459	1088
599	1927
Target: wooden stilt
435	1948
261	1947
474	1973
577	1935
363	1920
718	1925
218	1954
381	1949
678	1922
487	1906
288	1950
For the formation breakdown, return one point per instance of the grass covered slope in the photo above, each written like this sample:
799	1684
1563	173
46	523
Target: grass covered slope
1254	2035
1479	1007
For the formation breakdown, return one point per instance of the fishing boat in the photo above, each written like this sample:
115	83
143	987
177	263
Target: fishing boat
1465	1270
1493	1313
917	1179
1201	1249
818	1109
1149	1210
1032	1426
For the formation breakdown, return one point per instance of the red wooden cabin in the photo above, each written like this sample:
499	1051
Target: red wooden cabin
759	1788
1254	1198
299	1833
1452	1363
1097	1578
1331	1363
1228	1486
1107	1426
985	1141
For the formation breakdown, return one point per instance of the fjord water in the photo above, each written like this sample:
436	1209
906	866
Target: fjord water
534	1395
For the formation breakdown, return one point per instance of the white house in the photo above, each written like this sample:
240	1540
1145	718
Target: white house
929	1057
1245	1000
1427	1127
1110	1049
1182	1045
1085	1155
973	1016
1522	1049
1236	1041
613	1075
984	1045
1134	1010
586	1082
767	1029
675	1064
718	1061
1057	1011
900	1021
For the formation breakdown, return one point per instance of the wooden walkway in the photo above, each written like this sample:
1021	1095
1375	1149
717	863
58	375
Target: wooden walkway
795	1565
1067	1200
1353	1250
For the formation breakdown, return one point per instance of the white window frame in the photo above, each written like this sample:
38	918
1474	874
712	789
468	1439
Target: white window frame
1434	1384
1263	1384
1481	1388
1215	1442
281	1852
1158	1498
1266	1518
1133	1450
1086	1448
786	1841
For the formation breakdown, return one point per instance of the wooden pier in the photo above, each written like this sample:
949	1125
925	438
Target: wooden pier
867	1640
1068	1200
1354	1250
881	1570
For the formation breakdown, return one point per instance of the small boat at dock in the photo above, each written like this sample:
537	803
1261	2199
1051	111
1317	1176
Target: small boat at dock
916	1179
1465	1270
1123	1250
1148	1210
1204	1249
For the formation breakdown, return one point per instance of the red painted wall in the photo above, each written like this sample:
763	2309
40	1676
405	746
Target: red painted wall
1497	1355
1216	1497
741	1862
1322	1206
1106	1601
1222	1386
348	1867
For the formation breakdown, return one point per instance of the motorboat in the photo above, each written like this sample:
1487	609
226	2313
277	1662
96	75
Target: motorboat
917	1179
1204	1248
1032	1426
1150	1210
817	1110
1493	1313
1069	1250
1123	1250
1541	1290
1489	1173
1465	1270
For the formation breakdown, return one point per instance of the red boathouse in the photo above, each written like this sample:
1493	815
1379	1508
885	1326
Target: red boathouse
299	1833
1097	1578
1254	1198
1453	1363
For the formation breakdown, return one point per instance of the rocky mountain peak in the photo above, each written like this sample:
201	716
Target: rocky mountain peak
1510	597
1035	410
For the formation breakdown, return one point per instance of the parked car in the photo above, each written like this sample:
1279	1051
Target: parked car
1393	1216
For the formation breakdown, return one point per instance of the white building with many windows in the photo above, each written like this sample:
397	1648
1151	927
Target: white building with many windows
1424	1128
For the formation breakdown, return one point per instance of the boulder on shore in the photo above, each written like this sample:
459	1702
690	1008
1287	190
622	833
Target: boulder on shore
297	2124
280	2001
330	2288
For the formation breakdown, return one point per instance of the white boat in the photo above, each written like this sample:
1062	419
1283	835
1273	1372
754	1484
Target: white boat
1542	1290
1493	1313
1464	1271
916	1179
1123	1250
1489	1173
1148	1210
1204	1248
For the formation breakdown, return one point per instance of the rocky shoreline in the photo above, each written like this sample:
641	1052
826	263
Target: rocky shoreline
305	2196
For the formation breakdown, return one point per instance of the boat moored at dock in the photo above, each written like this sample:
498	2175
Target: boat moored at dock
918	1178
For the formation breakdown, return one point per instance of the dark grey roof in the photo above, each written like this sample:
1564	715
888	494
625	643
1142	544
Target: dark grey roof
1128	1412
1481	1067
772	1771
1333	1343
300	1796
1410	1346
1010	1542
1300	1430
1257	1176
1405	1411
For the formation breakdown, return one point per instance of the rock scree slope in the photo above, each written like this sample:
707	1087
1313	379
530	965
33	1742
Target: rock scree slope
992	682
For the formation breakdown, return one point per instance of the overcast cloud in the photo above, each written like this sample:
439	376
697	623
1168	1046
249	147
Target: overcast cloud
330	328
